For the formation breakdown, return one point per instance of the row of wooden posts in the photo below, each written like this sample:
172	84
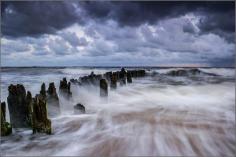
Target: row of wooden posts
31	112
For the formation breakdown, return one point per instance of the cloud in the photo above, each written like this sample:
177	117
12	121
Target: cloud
73	39
42	51
162	42
45	17
222	24
58	46
12	46
22	18
100	48
137	13
189	28
101	33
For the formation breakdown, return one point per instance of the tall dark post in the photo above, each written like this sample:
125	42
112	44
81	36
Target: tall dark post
52	92
68	88
122	76
129	77
108	75
103	88
52	99
19	109
40	121
43	90
6	128
113	84
65	88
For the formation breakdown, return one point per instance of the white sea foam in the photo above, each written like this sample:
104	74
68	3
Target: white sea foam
143	118
220	71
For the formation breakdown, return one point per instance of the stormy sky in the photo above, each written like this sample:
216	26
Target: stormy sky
93	33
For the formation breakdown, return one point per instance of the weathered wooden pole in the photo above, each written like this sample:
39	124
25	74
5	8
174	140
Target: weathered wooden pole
129	77
108	75
65	88
40	121
26	111
19	108
43	90
113	84
122	76
6	128
52	98
52	92
103	88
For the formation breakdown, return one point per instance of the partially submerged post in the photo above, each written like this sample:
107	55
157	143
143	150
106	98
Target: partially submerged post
52	98
29	102
79	108
19	108
75	81
117	74
122	76
108	75
140	73
98	77
26	111
113	81
103	88
52	92
43	90
91	78
65	88
134	73
83	80
6	128
40	121
129	77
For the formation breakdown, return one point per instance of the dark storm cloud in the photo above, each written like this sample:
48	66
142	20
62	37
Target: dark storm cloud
223	21
217	17
222	24
45	17
35	18
136	13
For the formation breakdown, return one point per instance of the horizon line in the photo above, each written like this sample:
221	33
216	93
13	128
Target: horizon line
118	66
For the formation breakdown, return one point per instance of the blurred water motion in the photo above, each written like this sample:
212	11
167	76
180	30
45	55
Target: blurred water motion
155	115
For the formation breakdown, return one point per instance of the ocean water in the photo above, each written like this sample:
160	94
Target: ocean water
155	115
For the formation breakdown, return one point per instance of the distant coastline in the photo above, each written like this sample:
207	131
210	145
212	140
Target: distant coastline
89	67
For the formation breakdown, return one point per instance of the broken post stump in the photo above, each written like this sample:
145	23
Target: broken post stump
79	108
40	121
19	108
91	78
98	77
103	88
134	73
117	73
122	76
113	84
43	90
6	128
65	88
129	77
52	92
140	73
52	98
108	75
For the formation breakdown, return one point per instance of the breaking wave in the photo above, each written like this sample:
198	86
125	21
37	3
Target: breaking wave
155	115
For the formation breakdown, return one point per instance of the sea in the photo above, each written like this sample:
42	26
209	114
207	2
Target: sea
155	115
